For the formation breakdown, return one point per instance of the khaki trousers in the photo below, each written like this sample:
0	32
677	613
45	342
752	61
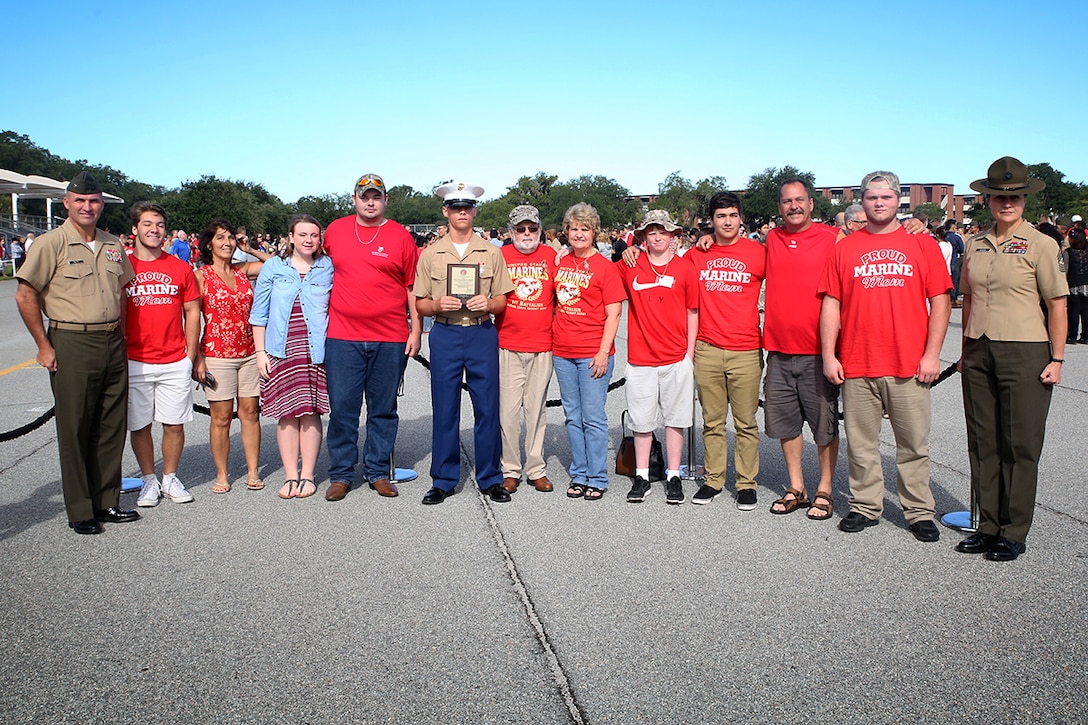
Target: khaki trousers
907	404
729	379
523	386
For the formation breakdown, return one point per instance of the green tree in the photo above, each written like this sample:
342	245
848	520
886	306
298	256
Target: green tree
676	195
1057	198
761	199
685	201
534	190
980	214
409	206
326	207
606	195
246	204
933	212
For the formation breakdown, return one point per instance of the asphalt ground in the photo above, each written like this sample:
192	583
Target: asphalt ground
246	608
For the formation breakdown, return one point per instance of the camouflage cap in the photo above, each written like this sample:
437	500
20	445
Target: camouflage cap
891	179
524	213
661	218
84	183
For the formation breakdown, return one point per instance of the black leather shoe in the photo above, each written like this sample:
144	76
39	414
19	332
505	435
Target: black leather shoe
855	522
497	493
435	495
925	531
977	543
1005	549
90	526
116	515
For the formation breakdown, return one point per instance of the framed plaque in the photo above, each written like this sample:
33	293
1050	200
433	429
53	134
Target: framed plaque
463	281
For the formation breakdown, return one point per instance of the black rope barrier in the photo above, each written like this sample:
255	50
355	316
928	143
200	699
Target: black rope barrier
418	357
33	425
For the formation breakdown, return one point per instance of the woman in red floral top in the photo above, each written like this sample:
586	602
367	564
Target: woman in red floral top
227	350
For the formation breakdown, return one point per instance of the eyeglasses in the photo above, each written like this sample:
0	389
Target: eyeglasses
856	221
527	229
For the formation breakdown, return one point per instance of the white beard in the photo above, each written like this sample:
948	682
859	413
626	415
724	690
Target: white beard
526	248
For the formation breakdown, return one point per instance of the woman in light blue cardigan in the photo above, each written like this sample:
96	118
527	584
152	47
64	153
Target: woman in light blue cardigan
290	319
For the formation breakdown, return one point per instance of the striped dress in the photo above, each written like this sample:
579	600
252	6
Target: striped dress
296	387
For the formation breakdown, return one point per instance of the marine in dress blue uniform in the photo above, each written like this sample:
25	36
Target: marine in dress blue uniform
463	341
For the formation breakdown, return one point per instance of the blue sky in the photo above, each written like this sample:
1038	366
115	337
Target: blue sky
305	97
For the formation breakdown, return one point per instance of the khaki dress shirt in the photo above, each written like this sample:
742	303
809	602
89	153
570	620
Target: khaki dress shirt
432	272
76	284
1006	282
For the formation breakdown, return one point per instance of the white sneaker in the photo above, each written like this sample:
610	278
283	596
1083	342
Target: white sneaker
150	493
172	489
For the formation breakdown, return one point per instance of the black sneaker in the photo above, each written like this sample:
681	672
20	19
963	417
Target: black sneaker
674	491
640	489
705	494
746	499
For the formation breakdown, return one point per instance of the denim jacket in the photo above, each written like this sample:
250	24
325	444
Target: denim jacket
274	295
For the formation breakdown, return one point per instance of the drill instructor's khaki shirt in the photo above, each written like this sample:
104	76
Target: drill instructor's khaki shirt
76	284
1006	282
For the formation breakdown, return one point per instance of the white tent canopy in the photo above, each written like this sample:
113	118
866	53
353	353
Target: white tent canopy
38	187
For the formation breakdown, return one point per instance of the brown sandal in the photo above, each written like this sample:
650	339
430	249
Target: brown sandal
789	505
816	505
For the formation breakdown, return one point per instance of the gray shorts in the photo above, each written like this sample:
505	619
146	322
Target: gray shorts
794	391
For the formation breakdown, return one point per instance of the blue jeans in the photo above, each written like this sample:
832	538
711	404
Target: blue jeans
354	370
587	423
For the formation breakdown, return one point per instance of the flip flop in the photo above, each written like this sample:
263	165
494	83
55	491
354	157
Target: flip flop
221	487
254	484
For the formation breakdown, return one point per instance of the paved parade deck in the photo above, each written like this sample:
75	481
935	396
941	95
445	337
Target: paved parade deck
247	608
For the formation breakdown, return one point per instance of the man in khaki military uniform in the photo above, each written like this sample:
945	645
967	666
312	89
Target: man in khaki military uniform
461	281
75	275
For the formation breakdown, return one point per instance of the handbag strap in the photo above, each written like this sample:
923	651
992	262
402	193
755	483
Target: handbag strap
623	424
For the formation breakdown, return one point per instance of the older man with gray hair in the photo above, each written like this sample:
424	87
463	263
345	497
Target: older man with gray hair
525	349
853	219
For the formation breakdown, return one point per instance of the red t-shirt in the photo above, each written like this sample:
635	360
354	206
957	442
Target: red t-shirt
884	282
657	314
375	268
526	323
730	277
154	331
582	289
791	307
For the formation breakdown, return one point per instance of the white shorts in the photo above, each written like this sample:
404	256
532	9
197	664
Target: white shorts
656	394
162	393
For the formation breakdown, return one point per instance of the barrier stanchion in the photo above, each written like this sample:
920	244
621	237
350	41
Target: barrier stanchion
965	521
400	475
690	471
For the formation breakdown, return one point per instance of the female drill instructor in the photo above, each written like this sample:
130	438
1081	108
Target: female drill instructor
1011	358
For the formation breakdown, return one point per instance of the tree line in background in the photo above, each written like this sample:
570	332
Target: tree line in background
250	204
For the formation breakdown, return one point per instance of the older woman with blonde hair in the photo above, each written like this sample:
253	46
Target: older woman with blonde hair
1012	358
589	298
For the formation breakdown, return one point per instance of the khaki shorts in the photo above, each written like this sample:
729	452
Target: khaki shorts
234	377
795	391
660	394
